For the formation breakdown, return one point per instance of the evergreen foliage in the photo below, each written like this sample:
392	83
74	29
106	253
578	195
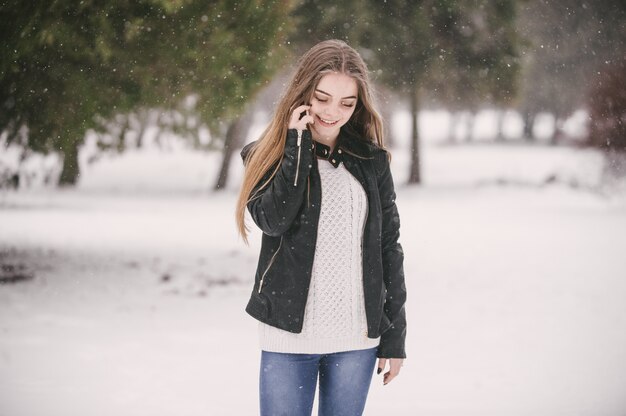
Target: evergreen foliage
456	52
65	65
607	109
567	45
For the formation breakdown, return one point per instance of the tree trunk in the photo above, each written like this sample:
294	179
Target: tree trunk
529	123
121	140
235	137
557	132
386	110
500	125
454	121
469	127
71	170
414	173
160	127
143	117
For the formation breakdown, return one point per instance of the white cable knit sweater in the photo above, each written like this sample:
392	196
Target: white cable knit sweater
334	317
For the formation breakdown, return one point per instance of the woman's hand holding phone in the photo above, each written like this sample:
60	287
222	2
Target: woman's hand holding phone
300	118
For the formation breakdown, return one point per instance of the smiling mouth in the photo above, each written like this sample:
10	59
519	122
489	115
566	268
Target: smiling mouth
327	122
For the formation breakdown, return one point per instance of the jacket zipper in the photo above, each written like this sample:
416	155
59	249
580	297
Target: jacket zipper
367	211
270	263
295	182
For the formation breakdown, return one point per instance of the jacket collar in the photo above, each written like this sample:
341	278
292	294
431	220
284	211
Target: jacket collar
348	143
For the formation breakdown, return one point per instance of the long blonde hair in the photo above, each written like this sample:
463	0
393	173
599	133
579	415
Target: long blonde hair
323	58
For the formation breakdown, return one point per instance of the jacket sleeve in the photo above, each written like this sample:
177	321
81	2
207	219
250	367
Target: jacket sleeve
392	341
274	207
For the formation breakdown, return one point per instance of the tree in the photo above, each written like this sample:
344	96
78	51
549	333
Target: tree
413	41
65	66
477	62
414	46
263	102
566	45
607	108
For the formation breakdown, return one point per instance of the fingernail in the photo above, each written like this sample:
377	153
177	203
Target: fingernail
379	370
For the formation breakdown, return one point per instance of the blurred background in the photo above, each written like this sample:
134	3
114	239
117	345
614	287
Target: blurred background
123	281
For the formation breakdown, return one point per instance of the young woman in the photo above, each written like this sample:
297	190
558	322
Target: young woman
329	290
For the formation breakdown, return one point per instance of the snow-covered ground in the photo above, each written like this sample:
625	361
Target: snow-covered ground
514	266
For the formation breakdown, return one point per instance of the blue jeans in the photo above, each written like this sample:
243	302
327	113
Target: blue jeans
287	382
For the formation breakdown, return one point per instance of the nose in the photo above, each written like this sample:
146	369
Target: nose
331	111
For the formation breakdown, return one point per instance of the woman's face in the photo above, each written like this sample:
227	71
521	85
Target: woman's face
332	105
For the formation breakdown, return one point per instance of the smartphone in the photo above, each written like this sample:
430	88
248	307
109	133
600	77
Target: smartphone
304	113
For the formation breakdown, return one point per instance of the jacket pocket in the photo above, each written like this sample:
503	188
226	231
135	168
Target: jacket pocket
270	264
258	306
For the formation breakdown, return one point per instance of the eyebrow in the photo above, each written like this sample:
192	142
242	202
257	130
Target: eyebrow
344	98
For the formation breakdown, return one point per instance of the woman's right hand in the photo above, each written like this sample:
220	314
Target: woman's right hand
300	123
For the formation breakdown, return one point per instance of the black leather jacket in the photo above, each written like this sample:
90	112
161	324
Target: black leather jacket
287	211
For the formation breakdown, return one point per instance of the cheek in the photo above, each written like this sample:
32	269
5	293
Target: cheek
349	111
315	109
347	114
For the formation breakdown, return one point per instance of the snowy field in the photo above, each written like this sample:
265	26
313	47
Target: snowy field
514	265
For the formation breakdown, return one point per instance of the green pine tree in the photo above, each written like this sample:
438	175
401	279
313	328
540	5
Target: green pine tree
65	67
